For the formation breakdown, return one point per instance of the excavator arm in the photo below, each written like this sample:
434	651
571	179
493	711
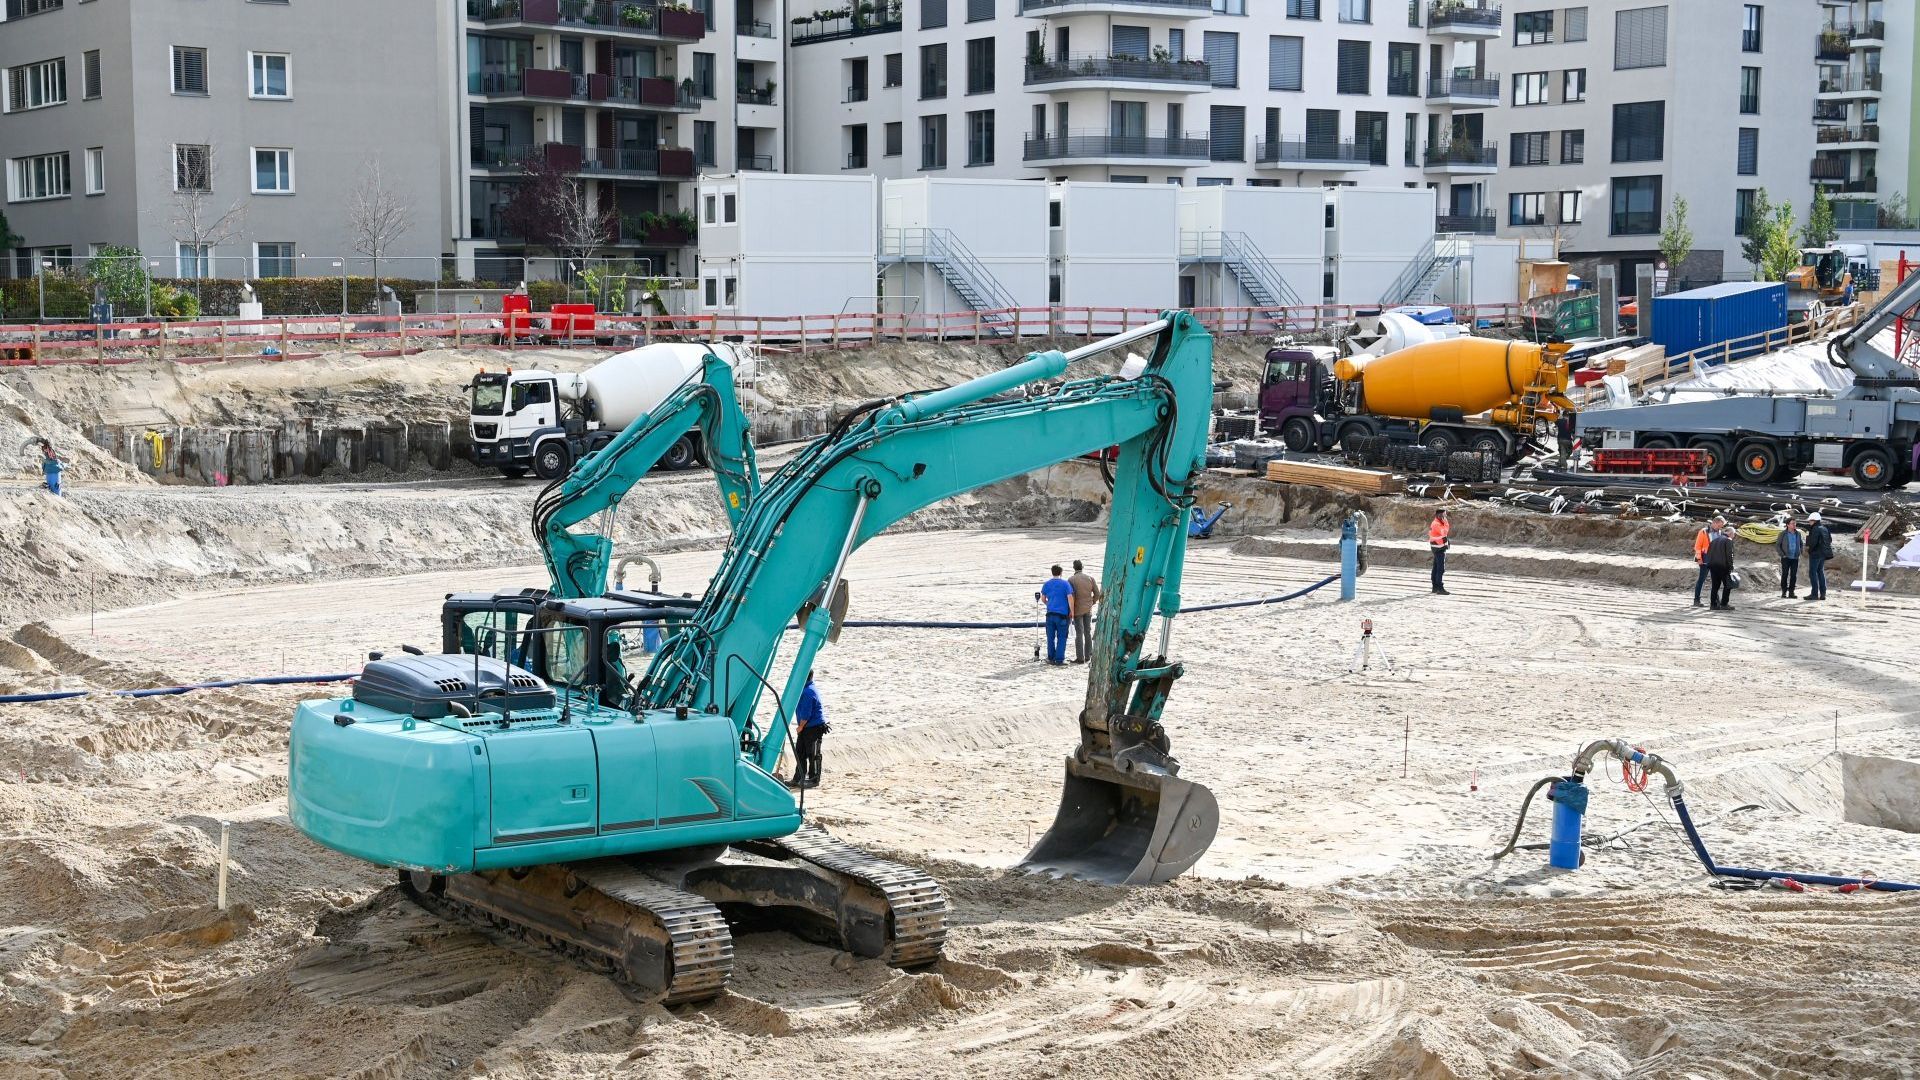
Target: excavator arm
893	458
577	562
1854	348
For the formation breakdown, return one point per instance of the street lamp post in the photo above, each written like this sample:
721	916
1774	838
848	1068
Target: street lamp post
150	267
341	265
45	265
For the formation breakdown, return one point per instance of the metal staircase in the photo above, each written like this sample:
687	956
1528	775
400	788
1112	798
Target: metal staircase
1250	267
1423	272
969	279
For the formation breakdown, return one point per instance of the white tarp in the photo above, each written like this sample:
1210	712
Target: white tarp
1909	556
1798	369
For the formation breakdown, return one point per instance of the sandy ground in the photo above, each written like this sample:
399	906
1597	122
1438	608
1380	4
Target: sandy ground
1347	923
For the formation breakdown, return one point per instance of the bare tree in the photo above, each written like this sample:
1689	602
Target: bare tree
377	217
582	228
197	220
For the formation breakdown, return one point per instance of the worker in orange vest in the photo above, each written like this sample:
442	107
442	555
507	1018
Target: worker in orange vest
1701	541
1437	534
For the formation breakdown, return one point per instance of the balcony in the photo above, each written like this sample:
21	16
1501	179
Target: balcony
1868	35
1155	9
855	95
754	162
1462	158
599	18
1832	45
1450	18
808	29
755	29
1318	155
749	95
1849	84
537	85
1469	224
1472	91
1099	147
1118	73
656	230
1848	138
856	161
669	163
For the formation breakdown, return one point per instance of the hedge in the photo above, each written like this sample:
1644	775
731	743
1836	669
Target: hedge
70	297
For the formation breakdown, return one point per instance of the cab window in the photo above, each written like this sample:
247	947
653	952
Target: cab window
531	393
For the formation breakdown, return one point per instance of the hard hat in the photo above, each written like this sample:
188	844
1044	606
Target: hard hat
1815	516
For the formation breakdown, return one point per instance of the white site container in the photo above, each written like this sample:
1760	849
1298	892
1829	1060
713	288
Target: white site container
1119	245
1284	228
999	227
775	245
1373	236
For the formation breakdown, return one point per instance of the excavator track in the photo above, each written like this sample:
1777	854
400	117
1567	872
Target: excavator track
916	906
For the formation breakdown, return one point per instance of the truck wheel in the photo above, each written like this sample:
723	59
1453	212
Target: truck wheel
1718	463
680	455
1440	440
1350	436
1298	435
552	460
1872	468
1758	462
1488	443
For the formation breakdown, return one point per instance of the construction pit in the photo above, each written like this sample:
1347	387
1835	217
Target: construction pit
1347	922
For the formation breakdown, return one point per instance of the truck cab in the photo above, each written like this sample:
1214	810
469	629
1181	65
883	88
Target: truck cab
1295	392
510	412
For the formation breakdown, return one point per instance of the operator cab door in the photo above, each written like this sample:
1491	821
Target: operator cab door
1285	389
532	405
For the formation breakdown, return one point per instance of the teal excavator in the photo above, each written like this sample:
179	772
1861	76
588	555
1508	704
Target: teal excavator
624	819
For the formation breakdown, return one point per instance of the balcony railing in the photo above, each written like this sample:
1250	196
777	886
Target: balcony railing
1863	133
1473	224
808	28
1828	168
500	155
1832	45
1029	7
1829	112
667	162
1099	144
855	93
595	89
1853	82
1872	30
1463	153
856	161
594	16
755	162
1442	14
1480	87
1305	151
1065	69
753	28
748	95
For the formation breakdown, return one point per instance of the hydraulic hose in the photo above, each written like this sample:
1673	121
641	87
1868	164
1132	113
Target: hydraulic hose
1028	624
1520	823
165	691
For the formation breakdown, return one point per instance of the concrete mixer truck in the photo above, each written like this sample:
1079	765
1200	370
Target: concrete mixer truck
1462	394
543	421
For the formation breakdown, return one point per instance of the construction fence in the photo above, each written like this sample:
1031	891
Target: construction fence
291	338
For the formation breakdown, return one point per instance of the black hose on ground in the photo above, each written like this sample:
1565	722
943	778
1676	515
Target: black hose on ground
1521	823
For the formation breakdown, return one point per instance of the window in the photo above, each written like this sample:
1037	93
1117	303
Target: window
1370	136
979	10
1640	131
1222	52
272	171
44	176
1284	62
1569	208
1356	11
20	9
1743	204
90	74
703	75
1573	147
1640	38
1749	90
856	146
1354	70
1530	88
1531	147
709	213
189	70
1533	28
1229	7
273	259
895	75
1226	133
270	75
1573	84
1130	41
704	140
193	261
933	72
1636	205
192	167
1403	69
96	170
980	137
1749	157
857	79
1576	28
1303	9
729	206
1177	44
1527	208
933	14
710	292
894	137
1750	28
980	66
36	86
933	142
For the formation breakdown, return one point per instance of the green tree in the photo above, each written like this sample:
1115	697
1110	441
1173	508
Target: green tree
120	273
1676	239
1820	231
1753	246
1782	251
8	238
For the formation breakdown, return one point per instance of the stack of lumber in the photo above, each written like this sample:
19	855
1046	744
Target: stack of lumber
1336	477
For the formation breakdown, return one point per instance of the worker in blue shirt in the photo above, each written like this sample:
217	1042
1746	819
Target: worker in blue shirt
1057	592
50	467
812	717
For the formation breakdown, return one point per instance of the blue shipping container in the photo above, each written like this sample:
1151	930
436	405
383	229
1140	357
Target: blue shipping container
1698	318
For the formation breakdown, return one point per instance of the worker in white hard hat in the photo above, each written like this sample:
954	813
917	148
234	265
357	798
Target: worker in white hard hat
1819	550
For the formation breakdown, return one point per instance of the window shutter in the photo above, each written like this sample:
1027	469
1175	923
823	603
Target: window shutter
1131	41
1749	151
1577	24
1226	133
893	69
1323	126
1177	43
979	10
90	73
1354	64
16	89
933	14
1640	38
1303	9
1223	57
1283	63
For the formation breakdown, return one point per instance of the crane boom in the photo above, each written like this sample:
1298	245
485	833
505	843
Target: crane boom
1853	348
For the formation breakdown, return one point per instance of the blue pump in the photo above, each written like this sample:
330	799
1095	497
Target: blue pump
1201	526
1569	798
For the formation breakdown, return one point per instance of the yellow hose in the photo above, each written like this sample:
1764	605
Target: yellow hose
1758	533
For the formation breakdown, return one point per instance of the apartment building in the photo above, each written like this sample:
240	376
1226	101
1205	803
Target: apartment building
220	137
1196	92
1863	111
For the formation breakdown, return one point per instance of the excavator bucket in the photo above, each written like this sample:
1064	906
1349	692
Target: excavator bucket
1141	826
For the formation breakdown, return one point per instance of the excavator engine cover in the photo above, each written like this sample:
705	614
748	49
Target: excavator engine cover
1135	824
